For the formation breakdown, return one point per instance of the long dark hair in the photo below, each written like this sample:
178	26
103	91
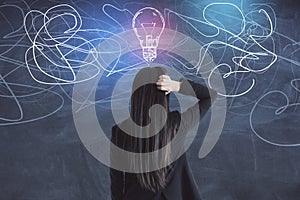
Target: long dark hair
143	97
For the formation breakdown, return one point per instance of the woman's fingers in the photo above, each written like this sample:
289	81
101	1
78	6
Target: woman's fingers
164	77
164	88
164	83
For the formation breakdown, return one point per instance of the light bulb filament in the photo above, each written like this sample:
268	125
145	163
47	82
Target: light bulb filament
148	24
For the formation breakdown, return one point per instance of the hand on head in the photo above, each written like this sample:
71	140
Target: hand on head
166	84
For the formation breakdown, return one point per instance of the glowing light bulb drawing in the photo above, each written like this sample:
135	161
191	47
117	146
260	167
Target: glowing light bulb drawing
148	25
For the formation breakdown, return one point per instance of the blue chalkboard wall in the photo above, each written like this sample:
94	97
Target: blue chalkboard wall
41	154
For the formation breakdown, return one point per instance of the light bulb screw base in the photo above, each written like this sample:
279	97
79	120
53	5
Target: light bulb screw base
149	53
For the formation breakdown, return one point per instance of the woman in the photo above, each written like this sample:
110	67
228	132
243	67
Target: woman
151	87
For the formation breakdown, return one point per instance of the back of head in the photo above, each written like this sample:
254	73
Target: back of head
144	95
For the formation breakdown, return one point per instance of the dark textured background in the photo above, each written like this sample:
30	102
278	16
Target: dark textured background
45	159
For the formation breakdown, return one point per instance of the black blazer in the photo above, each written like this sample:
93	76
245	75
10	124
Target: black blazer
180	184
